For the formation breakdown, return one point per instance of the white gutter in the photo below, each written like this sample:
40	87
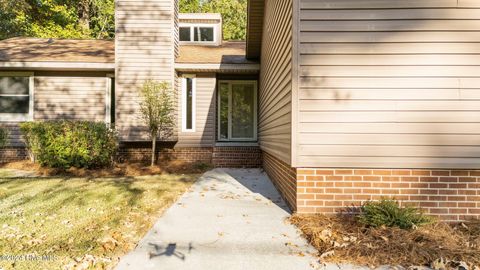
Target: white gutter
65	66
217	67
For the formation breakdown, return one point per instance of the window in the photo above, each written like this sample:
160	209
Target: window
203	34
16	102
237	111
195	33
188	103
185	34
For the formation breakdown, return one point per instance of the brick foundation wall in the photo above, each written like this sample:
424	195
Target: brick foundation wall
11	154
283	177
237	157
225	157
451	195
143	154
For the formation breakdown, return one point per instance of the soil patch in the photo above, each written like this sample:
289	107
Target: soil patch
342	239
116	170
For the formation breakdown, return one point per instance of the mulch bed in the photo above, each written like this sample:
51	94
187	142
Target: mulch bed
116	170
341	239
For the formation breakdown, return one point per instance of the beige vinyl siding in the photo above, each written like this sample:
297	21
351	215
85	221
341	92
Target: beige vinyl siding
14	135
391	84
275	91
145	49
176	28
204	135
58	96
77	98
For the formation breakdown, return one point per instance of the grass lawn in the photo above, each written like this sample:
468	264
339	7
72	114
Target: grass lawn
79	223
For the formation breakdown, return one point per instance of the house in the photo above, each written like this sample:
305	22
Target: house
340	101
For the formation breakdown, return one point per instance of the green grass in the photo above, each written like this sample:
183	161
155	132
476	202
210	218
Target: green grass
79	220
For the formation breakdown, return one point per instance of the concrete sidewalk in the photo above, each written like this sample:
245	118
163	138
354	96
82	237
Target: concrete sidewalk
230	219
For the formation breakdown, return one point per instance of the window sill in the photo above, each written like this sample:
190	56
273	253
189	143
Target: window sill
5	117
236	144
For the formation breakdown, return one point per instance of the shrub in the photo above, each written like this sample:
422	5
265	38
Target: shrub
3	137
65	144
387	212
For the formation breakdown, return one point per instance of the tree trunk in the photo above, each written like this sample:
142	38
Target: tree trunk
154	149
84	14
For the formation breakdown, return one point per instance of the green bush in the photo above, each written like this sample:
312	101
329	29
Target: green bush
3	137
65	144
387	212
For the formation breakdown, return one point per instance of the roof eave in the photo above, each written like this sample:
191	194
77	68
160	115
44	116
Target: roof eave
62	66
219	68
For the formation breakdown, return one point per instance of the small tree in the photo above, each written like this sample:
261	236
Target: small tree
156	109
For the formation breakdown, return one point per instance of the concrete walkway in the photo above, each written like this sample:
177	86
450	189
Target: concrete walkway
230	219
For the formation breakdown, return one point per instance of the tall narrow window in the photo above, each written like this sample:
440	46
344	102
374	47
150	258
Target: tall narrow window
237	111
188	104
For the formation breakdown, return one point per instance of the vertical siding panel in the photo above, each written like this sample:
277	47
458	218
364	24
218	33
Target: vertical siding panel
275	91
145	49
389	84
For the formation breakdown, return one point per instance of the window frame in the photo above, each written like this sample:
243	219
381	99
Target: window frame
255	111
184	102
110	99
192	27
21	117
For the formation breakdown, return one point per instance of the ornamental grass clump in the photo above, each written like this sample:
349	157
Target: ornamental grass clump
65	144
389	213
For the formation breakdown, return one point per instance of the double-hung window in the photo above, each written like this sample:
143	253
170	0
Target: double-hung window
237	111
188	103
16	96
195	33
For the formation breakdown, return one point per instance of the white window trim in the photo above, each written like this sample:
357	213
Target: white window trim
184	102
108	98
255	112
21	117
192	33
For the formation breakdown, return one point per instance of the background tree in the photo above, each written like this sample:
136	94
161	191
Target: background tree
57	18
190	6
96	18
156	109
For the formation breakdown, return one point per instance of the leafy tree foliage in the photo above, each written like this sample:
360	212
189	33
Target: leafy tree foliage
57	18
95	18
156	108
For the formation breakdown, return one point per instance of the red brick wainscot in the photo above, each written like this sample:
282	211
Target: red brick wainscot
11	154
451	195
237	157
226	157
283	177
